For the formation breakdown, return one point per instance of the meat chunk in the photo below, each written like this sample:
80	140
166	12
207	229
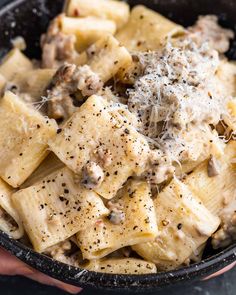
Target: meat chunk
61	107
57	47
68	80
104	156
88	82
60	104
92	175
117	214
207	29
159	169
116	217
61	252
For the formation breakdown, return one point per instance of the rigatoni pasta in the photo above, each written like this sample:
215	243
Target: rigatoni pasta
102	163
131	221
122	266
10	222
116	11
147	30
87	30
56	208
214	190
106	57
33	83
117	148
49	165
24	137
184	224
227	76
15	62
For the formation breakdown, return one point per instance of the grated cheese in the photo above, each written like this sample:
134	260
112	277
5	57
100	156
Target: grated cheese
178	95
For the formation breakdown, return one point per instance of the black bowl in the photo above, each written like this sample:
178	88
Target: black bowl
29	18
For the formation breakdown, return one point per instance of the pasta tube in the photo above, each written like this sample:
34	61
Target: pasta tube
226	73
87	29
106	57
10	221
146	30
47	167
213	190
122	266
184	225
15	62
101	146
56	208
208	143
24	136
116	11
133	222
34	83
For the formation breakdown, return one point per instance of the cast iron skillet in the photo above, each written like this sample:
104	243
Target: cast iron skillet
29	18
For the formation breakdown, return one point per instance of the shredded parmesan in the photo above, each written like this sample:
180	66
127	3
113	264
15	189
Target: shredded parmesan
178	95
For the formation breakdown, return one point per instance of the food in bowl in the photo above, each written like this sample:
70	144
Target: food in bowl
118	147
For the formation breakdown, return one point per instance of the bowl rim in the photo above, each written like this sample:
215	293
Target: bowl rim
84	278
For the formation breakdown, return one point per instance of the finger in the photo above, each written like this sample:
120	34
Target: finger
227	268
43	279
10	265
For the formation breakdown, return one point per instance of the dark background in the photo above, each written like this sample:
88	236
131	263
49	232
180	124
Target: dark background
223	285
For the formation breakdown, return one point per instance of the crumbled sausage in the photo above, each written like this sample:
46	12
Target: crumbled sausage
57	47
159	168
207	29
104	156
61	252
113	206
116	217
92	175
67	81
87	81
60	104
